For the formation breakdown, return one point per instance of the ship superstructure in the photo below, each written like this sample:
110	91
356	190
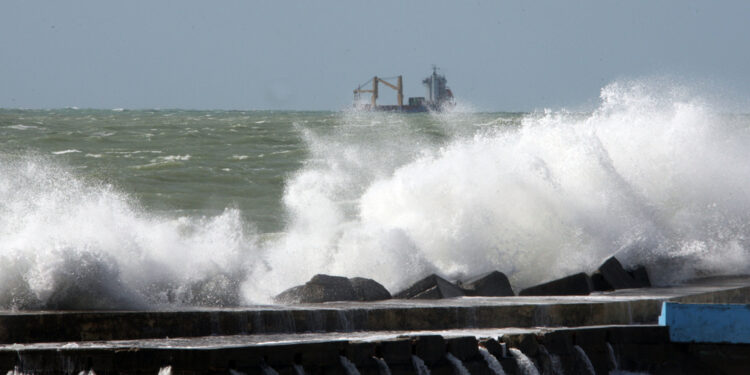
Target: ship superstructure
439	97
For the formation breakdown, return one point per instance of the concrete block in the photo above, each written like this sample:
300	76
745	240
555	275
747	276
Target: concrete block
589	338
321	288
369	289
526	343
578	284
640	335
599	284
510	366
330	370
616	276
493	347
547	361
431	287
442	368
640	275
396	351
402	369
477	367
431	348
320	354
491	284
706	323
720	358
360	352
558	342
463	348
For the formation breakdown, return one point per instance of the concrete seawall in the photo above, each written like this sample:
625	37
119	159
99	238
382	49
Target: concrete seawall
629	306
314	337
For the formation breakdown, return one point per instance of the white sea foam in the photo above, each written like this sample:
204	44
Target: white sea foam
172	158
651	172
70	243
63	152
22	127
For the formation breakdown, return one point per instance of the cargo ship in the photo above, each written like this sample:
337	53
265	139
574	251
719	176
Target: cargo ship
439	96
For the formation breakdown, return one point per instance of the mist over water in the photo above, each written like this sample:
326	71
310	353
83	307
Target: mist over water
238	210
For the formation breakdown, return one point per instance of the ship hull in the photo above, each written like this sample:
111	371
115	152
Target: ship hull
400	109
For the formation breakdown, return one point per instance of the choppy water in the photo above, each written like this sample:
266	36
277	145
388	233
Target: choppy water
142	208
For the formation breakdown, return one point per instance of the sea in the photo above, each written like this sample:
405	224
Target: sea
148	208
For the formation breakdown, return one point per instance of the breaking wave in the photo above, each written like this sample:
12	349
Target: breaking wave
652	174
68	243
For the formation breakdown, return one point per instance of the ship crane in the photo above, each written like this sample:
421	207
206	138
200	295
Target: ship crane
399	87
439	96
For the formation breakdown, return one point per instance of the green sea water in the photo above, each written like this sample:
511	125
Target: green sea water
179	162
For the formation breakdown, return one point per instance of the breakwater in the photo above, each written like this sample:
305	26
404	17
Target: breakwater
314	337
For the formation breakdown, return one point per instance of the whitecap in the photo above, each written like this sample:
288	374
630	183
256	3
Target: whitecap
63	152
22	127
172	158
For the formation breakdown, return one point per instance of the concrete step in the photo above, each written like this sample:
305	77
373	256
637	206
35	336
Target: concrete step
639	349
252	354
642	348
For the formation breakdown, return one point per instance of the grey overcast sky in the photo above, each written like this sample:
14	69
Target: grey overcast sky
497	55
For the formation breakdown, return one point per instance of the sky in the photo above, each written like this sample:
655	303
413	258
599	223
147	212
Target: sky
309	55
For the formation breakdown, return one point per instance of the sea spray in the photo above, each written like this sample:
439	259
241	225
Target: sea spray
298	369
492	362
457	364
525	365
166	370
657	176
71	243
